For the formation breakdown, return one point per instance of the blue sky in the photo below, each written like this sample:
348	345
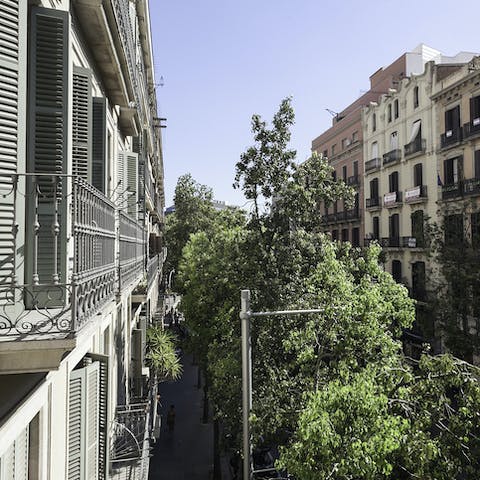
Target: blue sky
223	60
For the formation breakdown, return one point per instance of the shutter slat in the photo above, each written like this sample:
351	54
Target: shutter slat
99	142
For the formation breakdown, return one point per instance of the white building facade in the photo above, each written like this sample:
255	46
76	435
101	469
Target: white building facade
81	211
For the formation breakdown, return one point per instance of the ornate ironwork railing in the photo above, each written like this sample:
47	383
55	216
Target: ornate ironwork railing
130	450
57	262
132	248
153	268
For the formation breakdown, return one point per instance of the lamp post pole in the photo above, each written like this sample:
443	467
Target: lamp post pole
245	316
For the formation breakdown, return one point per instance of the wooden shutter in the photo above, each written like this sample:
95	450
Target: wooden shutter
48	90
82	123
48	132
102	414
132	182
99	142
14	462
9	72
83	423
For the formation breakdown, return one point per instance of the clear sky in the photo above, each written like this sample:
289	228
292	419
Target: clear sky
223	60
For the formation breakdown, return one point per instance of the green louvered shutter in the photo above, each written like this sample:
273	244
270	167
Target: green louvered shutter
82	123
76	400
48	133
83	423
9	72
102	414
132	183
14	462
99	142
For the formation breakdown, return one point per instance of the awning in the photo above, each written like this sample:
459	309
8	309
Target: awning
415	129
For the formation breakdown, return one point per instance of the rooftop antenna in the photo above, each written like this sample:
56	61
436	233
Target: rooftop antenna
332	113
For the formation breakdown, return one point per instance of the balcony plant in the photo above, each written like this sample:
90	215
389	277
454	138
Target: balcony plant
161	356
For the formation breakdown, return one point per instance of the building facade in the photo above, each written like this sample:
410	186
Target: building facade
81	255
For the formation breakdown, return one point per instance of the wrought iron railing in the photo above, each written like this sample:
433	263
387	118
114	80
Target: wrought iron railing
130	441
373	164
451	137
132	248
392	156
153	268
471	128
60	267
452	190
416	193
416	146
373	202
471	186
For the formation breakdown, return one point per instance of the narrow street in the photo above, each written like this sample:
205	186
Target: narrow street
187	453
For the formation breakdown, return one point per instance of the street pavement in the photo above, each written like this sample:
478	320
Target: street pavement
187	453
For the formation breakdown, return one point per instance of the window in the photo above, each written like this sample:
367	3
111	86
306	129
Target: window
417	227
453	229
395	109
334	176
397	270
345	143
344	173
335	206
393	182
374	150
415	97
333	149
354	136
475	111
475	221
334	235
376	227
374	188
355	168
394	141
356	237
418	281
416	132
394	229
325	154
452	121
476	162
389	113
345	235
451	170
374	122
418	175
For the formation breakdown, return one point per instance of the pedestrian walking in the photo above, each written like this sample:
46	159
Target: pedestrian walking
171	418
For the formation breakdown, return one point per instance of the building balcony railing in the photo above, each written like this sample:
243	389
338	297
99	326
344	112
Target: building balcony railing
153	268
416	146
450	137
471	186
416	194
353	181
392	199
391	157
452	190
390	242
373	202
51	285
130	453
373	164
472	128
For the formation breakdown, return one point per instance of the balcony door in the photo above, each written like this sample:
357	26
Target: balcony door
452	120
394	228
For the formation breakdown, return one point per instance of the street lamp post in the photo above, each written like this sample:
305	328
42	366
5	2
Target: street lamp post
245	315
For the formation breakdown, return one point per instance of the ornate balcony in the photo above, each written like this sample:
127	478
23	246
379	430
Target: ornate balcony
61	266
451	137
392	199
417	146
416	194
373	164
390	242
130	452
353	181
472	128
392	157
452	190
471	186
373	202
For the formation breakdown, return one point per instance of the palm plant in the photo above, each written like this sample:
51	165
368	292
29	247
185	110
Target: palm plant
161	356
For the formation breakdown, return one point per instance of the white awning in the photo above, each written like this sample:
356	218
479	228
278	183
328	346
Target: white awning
415	130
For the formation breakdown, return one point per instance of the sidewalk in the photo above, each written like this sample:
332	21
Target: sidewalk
187	453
